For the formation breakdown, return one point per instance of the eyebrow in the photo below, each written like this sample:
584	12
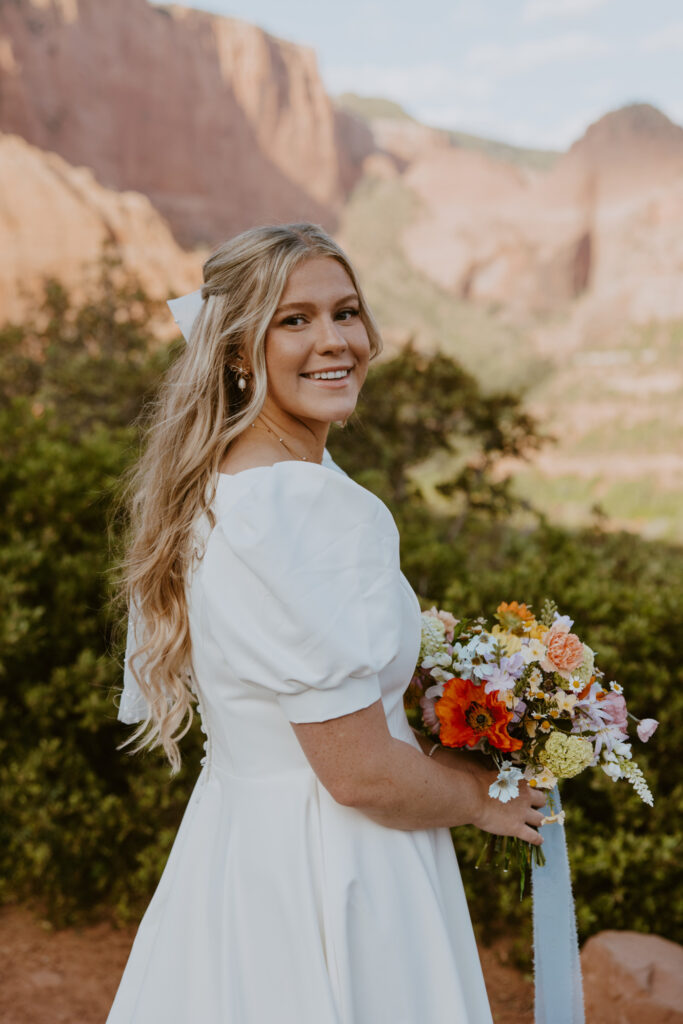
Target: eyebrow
351	297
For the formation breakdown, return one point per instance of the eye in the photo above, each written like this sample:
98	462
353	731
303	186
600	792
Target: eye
295	320
348	314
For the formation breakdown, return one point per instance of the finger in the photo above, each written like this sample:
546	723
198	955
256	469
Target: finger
538	797
535	819
530	835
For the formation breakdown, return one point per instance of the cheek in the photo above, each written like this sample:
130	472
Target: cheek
361	348
283	362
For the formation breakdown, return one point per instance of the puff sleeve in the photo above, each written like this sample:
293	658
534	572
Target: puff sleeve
301	581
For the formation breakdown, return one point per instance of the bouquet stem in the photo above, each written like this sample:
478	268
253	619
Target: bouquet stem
506	851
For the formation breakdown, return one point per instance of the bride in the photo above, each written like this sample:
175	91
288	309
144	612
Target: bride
313	878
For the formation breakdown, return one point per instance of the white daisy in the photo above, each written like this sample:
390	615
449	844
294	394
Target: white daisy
506	786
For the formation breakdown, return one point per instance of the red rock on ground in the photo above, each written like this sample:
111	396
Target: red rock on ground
631	978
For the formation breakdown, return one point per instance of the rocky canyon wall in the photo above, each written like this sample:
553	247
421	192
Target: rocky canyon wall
603	226
55	221
218	123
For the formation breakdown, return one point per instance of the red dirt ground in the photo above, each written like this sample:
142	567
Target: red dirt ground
70	976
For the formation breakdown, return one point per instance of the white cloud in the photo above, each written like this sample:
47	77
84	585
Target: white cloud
498	60
669	38
537	10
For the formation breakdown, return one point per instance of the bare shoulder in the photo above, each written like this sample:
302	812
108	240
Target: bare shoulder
250	453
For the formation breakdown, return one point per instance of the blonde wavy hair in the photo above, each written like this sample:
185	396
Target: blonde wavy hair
198	412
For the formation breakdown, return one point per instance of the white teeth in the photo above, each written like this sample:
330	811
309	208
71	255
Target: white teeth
330	375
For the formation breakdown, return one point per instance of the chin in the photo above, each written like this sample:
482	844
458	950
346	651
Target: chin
329	412
339	414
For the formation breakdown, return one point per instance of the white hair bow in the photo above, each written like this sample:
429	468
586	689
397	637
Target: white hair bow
185	310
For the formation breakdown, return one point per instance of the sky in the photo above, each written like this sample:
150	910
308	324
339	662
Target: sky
530	72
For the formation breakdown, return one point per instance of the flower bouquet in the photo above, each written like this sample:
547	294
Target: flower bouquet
528	694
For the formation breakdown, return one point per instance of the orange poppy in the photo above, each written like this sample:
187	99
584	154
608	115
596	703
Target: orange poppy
468	714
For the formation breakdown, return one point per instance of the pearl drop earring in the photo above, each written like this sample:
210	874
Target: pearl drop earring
242	376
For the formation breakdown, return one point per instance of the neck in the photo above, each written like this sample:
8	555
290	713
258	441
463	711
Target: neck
301	439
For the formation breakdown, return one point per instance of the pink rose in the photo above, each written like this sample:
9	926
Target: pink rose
615	706
565	650
429	714
645	728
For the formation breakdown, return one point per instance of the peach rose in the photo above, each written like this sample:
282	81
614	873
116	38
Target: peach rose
565	650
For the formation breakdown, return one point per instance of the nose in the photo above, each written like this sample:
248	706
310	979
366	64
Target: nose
330	337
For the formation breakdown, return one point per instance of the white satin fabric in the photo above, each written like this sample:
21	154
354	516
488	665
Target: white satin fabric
277	903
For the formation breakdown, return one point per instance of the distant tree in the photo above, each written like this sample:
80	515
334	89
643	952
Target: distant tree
415	406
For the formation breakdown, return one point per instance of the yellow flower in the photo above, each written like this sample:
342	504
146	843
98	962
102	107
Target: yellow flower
537	631
508	641
545	726
566	756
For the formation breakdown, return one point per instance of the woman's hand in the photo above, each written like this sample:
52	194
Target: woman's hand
518	817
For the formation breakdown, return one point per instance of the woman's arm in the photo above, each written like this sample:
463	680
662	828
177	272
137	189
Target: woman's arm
450	757
362	765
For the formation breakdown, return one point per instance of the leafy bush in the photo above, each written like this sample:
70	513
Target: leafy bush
626	597
82	825
85	829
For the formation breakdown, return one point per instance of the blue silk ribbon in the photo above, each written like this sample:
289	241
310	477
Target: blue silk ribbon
557	967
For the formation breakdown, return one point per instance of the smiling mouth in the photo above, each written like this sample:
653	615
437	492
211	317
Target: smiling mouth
328	374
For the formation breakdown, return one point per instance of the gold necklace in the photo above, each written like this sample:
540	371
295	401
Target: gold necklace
300	458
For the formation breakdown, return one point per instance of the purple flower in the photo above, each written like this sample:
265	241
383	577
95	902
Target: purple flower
496	678
608	737
515	664
503	676
518	711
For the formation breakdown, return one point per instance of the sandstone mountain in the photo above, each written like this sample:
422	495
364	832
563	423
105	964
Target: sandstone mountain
55	220
604	222
217	122
563	279
156	126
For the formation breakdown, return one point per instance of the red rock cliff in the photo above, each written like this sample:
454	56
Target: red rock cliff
218	123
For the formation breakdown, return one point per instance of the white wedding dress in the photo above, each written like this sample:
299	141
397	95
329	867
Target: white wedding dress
277	904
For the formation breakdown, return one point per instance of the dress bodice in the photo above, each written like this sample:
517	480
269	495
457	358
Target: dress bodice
299	612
